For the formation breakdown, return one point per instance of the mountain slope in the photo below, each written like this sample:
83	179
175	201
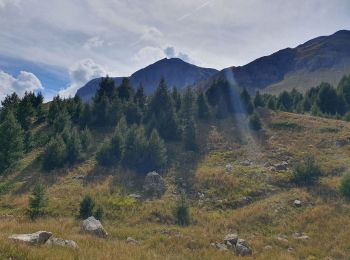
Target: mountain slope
326	58
176	73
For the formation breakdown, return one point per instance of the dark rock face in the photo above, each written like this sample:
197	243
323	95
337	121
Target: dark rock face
176	73
307	65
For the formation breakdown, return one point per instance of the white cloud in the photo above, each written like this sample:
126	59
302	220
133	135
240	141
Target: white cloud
170	52
148	55
25	81
93	42
4	3
80	73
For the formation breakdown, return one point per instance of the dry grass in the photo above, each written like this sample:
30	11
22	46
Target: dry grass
324	216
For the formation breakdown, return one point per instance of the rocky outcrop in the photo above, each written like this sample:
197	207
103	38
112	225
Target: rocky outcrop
154	185
238	245
36	238
94	227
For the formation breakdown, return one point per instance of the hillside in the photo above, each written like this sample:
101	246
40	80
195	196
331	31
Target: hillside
323	59
176	73
268	220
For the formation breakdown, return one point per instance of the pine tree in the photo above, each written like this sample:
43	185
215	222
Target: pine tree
55	154
86	139
343	89
156	153
327	99
188	104
203	111
258	101
73	147
161	107
140	97
176	97
86	207
271	104
37	202
285	102
11	141
106	88
56	106
125	91
189	135
254	122
247	102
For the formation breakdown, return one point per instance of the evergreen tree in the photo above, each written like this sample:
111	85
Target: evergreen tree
37	202
187	105
140	97
327	99
156	153
203	106
11	141
28	141
285	102
73	147
189	135
258	101
254	122
101	110
125	91
86	207
25	111
86	139
56	106
176	97
106	88
271	103
132	113
343	89
181	212
62	121
246	101
55	154
10	102
162	108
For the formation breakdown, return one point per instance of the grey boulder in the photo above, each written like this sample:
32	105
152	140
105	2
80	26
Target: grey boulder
154	185
94	227
61	242
36	238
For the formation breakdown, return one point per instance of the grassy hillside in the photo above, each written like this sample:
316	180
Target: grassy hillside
268	220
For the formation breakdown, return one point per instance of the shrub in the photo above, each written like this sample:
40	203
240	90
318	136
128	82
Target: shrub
55	154
37	202
86	207
306	172
254	122
345	186
99	213
181	212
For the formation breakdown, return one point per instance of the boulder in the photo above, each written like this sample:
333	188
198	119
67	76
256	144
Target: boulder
135	196
246	163
297	203
154	185
231	238
281	166
242	248
132	241
61	242
36	238
229	167
94	227
221	246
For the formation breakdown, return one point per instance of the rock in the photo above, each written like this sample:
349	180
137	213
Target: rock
229	167
154	185
135	196
61	242
231	238
242	248
37	238
94	227
281	166
283	239
297	203
304	237
221	246
132	241
78	177
268	247
246	163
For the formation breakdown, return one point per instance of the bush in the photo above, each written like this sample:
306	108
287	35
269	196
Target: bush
55	154
181	212
99	213
345	186
254	122
37	202
86	207
306	172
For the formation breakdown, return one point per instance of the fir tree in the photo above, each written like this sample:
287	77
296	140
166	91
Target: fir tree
11	141
37	202
189	135
203	111
55	154
125	91
86	207
156	153
258	101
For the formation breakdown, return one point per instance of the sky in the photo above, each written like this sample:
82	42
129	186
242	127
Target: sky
57	46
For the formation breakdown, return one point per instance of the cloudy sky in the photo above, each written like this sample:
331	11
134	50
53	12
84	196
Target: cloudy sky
57	46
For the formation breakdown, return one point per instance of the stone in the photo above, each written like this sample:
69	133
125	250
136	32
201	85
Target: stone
36	238
231	238
242	248
229	167
221	246
135	196
268	247
297	203
246	163
61	242
94	227
281	166
283	240
154	185
78	177
132	241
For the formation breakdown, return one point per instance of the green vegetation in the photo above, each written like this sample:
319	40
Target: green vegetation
37	202
181	212
306	171
344	187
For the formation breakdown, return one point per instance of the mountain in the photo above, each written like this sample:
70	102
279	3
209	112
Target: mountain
176	72
325	58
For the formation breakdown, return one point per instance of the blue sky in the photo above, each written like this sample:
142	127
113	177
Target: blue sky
57	46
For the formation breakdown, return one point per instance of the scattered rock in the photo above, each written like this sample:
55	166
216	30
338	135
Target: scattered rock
297	203
61	242
229	167
221	246
78	177
132	241
281	166
154	185
301	236
304	237
268	247
282	239
37	238
231	238
135	196
246	163
94	227
242	248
